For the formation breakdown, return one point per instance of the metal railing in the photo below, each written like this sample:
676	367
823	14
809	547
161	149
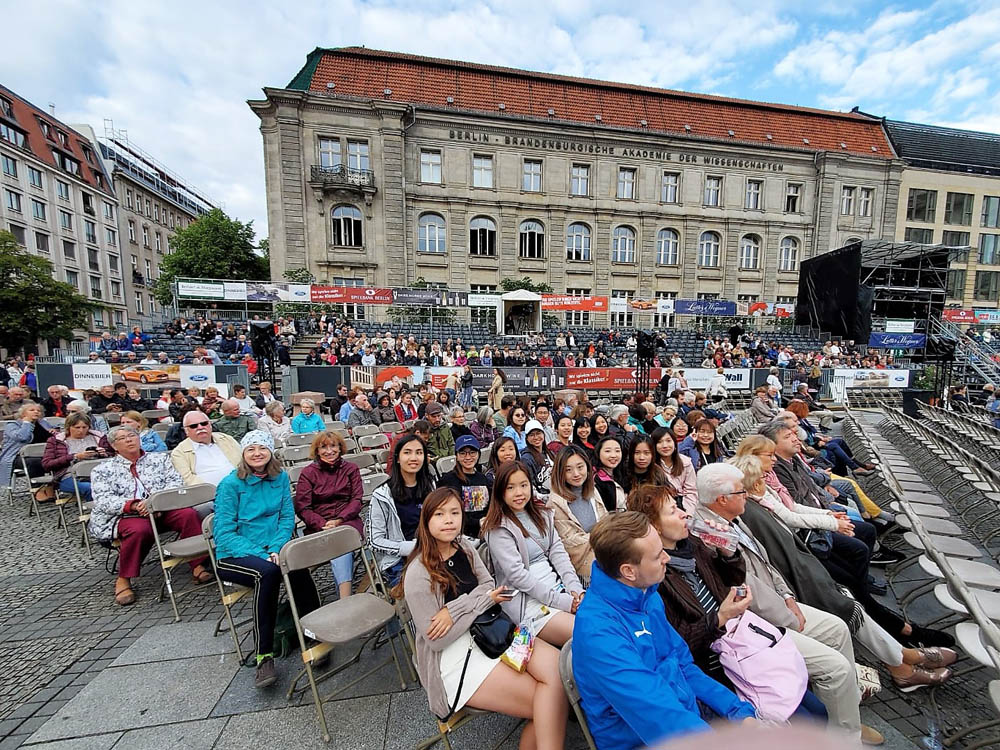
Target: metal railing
343	175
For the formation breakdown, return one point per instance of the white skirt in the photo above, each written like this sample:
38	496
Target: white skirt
452	663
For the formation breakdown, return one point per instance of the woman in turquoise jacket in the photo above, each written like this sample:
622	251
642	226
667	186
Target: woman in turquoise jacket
307	420
254	517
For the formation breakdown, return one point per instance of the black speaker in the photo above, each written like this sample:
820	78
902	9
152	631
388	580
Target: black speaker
262	338
941	348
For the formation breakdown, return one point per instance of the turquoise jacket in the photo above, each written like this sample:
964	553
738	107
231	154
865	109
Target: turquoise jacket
311	423
253	516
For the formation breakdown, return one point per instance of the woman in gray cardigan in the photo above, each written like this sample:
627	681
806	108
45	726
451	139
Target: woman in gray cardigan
529	557
446	587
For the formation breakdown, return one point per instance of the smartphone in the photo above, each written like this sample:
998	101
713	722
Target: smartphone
741	591
506	592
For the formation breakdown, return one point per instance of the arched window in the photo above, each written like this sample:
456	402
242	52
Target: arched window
708	250
788	254
347	226
667	244
852	240
623	245
431	234
577	242
483	237
531	239
750	252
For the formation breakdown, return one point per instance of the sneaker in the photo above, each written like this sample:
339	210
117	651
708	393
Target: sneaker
935	657
266	673
871	736
884	556
921	678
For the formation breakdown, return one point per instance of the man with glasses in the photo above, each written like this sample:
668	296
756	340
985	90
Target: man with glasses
204	457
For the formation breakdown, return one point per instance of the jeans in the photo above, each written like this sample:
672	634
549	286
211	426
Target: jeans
466	398
343	568
839	454
66	485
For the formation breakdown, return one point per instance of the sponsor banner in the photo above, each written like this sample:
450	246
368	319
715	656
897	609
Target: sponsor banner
484	300
616	378
569	302
142	376
988	316
352	294
234	290
762	309
199	376
642	304
664	306
899	326
897	340
736	378
430	297
959	316
201	289
91	376
874	378
718	307
618	304
294	293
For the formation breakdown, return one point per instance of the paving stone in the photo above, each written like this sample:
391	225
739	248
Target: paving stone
181	640
93	742
188	735
359	724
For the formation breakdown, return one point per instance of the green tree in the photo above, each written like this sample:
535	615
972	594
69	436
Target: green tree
294	276
213	247
33	305
420	314
511	285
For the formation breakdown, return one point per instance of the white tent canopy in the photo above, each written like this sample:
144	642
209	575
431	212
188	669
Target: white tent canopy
519	313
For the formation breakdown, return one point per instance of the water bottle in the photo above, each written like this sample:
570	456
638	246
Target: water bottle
725	539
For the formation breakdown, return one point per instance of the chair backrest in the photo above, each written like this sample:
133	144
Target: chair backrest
370	442
56	421
382	455
372	482
446	464
361	460
180	497
409	423
315	549
161	428
350	444
303	438
35	450
112	417
365	429
337	425
151	414
391	427
293	473
82	469
295	453
342	431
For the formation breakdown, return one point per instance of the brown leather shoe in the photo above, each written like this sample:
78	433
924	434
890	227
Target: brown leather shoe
921	678
937	656
871	736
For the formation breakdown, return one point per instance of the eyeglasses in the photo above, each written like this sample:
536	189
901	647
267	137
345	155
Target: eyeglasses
739	492
196	425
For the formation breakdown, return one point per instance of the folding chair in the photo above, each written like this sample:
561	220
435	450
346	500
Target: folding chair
229	593
336	425
293	473
391	428
295	454
37	450
382	457
365	429
180	551
373	442
81	473
161	428
363	461
445	464
350	444
155	415
572	693
372	482
361	615
302	438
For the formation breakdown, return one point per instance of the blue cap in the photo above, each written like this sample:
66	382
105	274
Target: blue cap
467	441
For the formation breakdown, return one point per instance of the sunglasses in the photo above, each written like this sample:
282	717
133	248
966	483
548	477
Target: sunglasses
196	425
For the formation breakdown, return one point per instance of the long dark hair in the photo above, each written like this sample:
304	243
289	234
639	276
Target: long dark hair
716	448
499	510
653	475
676	466
442	579
580	422
593	425
559	486
494	461
616	474
424	482
503	378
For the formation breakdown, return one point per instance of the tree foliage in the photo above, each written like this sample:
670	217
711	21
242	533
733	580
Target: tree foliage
213	247
33	305
420	314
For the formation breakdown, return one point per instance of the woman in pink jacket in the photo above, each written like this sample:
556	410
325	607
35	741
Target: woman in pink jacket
679	469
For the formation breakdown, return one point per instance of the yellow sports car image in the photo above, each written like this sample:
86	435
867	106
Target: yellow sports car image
144	374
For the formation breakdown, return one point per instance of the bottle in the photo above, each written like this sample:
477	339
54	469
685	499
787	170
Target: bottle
725	539
534	379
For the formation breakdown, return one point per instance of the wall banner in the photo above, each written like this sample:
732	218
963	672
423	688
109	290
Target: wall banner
718	307
351	294
874	378
569	302
959	316
897	340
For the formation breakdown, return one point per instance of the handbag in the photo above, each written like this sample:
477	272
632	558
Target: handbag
493	631
820	542
764	666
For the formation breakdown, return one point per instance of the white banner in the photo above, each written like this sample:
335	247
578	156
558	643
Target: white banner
874	378
899	326
234	290
484	300
618	304
200	376
200	289
91	376
664	306
736	378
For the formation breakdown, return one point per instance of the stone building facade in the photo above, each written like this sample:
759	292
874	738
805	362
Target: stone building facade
383	168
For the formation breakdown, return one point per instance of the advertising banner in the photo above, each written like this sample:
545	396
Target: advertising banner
874	378
719	307
664	306
91	376
484	300
642	304
200	376
899	326
736	378
430	297
351	294
762	309
988	316
201	289
234	290
618	304
897	340
959	316
569	302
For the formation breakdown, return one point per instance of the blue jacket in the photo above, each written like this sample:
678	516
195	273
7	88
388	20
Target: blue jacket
637	681
311	423
253	516
689	449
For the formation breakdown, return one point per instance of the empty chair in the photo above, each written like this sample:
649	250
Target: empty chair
154	415
391	428
363	461
295	454
229	593
365	429
304	438
81	473
572	693
371	482
445	464
373	442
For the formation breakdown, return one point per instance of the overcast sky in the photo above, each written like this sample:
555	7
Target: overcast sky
177	75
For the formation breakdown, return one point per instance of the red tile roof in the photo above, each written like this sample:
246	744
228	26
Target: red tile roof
27	119
365	73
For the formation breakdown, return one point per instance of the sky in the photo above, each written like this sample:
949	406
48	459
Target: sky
176	76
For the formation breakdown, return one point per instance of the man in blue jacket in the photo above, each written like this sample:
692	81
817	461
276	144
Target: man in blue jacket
637	681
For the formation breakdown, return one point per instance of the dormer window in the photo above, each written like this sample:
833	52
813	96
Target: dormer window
6	108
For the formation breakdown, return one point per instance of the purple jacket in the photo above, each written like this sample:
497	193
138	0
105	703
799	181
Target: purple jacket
326	492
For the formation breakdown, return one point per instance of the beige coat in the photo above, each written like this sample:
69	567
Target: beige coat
184	460
574	538
496	393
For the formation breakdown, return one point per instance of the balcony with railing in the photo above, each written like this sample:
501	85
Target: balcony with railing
138	279
343	176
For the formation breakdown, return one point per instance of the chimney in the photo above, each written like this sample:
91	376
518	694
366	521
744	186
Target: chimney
52	108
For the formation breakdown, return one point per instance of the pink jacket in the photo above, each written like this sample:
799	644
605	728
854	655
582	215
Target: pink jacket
685	485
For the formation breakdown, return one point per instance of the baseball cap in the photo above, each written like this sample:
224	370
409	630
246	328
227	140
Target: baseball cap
533	424
434	408
467	441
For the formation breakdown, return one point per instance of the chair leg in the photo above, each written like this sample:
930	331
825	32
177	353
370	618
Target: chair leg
168	585
319	703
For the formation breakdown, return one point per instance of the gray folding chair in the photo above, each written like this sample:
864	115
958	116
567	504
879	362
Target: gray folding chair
572	693
293	473
229	593
300	438
36	450
445	464
363	461
371	482
81	473
391	428
373	442
295	454
360	616
363	430
154	415
180	551
161	428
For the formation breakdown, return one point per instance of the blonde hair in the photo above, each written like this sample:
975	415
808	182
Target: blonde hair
752	468
137	417
752	445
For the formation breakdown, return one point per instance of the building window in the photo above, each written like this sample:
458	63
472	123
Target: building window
13	201
865	200
483	316
73	279
664	320
579	317
747	299
357	155
623	245
955	284
38	209
6	109
35	177
430	234
12	135
113	264
989	249
954	239
708	250
66	220
921	205
112	237
792	195
915	234
131	230
158	242
156	212
152	306
149	270
138	304
788	254
95	287
987	285
669	187
531	178
430	166
148	208
626	183
482	171
109	211
93	259
145	236
346	226
483	237
958	209
750	252
128	199
667	247
99	317
87	153
531	240
116	290
20	236
622	319
41	242
991	211
579	183
847	201
755	190
90	232
170	222
713	191
329	153
62	189
9	165
577	242
69	250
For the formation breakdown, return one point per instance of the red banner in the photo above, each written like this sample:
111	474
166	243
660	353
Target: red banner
618	378
959	316
362	295
569	302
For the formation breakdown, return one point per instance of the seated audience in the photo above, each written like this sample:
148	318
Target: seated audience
441	442
702	446
583	433
274	421
516	421
576	506
537	457
471	484
105	400
29	427
458	426
151	440
607	473
254	518
563	434
75	442
56	404
678	468
405	410
247	405
211	403
308	419
762	407
232	422
97	421
362	413
504	449
385	411
641	466
204	457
